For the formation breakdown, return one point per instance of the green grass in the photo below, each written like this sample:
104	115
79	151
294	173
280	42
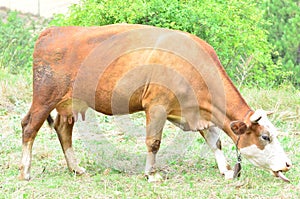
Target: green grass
115	156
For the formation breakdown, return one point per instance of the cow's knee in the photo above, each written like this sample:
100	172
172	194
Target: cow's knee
28	131
25	121
153	145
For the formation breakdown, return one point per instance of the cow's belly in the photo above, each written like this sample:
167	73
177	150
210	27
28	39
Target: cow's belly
118	101
189	124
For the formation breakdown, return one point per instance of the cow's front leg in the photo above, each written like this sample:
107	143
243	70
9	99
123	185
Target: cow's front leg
212	138
156	117
64	128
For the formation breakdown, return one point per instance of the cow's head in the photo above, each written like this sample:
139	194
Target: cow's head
259	144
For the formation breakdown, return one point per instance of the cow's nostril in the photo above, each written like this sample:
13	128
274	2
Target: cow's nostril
288	165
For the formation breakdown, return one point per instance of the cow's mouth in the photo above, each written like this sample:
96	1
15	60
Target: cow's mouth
281	175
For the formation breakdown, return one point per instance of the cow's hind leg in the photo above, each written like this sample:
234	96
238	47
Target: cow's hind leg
156	117
31	123
64	130
212	138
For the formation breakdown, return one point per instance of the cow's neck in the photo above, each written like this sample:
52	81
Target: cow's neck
236	109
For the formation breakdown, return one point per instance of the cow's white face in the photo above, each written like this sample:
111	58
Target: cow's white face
259	144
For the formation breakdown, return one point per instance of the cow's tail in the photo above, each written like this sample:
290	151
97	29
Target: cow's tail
50	121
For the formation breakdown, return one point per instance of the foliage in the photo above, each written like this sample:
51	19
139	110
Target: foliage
16	43
284	33
233	28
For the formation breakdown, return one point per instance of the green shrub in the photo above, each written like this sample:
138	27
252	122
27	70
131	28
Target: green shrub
16	43
284	34
234	28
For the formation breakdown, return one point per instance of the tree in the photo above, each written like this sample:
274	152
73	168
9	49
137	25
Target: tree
284	34
234	28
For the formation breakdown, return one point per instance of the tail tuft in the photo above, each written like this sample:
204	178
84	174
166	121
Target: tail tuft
50	121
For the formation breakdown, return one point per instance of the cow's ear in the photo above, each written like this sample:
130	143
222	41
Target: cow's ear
238	127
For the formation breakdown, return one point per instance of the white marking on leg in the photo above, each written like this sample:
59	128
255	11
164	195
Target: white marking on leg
221	161
150	163
26	161
72	162
150	170
212	137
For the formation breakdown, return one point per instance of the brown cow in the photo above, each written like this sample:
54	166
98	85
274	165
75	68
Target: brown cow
121	69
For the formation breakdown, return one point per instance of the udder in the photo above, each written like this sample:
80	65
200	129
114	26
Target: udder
69	110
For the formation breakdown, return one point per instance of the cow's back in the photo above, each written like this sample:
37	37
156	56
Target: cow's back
64	46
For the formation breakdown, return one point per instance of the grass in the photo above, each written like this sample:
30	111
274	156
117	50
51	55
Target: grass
114	154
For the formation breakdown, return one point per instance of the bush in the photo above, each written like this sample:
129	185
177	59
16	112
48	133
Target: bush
284	34
16	43
234	28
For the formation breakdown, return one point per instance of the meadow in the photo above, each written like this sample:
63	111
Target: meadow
112	149
113	152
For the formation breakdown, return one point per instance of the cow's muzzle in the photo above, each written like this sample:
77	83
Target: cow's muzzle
280	172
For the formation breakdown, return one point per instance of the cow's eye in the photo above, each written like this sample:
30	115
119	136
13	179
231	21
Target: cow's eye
266	138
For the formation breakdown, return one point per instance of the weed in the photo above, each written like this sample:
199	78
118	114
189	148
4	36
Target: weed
17	37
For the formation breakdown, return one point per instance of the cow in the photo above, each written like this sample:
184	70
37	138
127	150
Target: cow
125	68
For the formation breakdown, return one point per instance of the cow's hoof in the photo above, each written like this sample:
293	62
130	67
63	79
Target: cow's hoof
79	171
228	175
154	177
23	176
